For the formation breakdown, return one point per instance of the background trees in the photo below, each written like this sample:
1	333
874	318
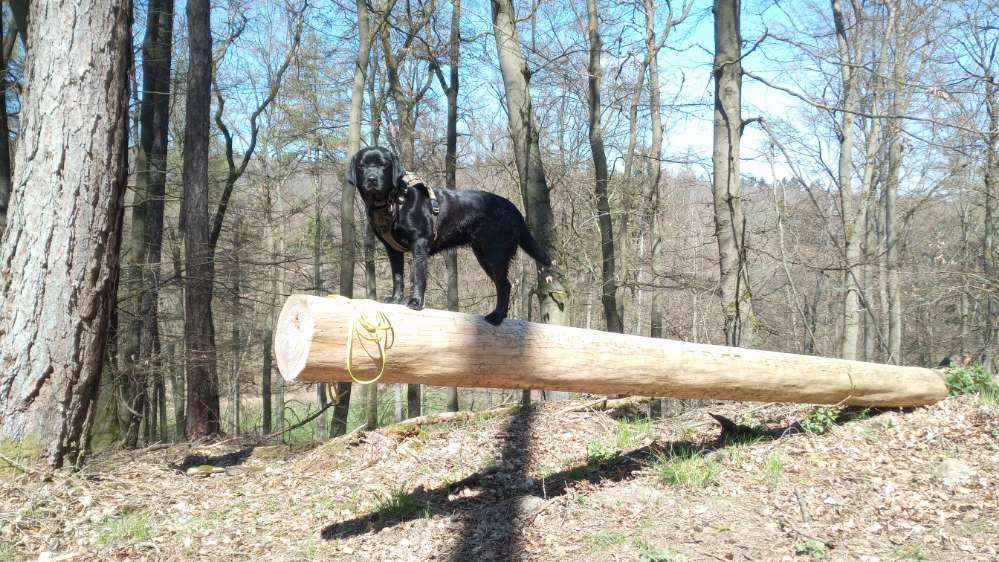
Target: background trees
854	215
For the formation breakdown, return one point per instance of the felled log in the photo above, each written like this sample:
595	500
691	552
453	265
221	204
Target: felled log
442	348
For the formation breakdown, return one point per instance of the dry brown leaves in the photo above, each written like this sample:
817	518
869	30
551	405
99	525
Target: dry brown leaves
918	485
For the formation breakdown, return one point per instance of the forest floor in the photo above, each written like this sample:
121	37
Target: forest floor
545	484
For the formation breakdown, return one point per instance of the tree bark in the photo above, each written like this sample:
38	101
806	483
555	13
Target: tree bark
730	220
846	52
60	251
5	179
202	377
608	288
451	160
527	151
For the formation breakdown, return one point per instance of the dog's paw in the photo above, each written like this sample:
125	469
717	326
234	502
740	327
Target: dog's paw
415	303
494	318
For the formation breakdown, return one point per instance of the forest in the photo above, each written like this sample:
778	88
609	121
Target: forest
802	176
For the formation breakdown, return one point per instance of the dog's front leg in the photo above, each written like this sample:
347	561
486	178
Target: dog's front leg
420	256
396	259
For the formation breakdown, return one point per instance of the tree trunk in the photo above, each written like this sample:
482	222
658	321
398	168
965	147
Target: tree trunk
202	377
5	180
237	337
451	162
851	254
527	150
608	290
145	242
991	181
60	251
730	221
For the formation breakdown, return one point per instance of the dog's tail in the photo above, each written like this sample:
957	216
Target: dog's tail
533	249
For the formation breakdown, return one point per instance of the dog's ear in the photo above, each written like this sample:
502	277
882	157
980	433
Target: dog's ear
397	169
352	170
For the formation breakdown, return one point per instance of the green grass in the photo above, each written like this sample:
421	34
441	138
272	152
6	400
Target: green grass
973	380
8	552
686	467
129	526
630	431
652	553
772	469
401	505
605	540
811	548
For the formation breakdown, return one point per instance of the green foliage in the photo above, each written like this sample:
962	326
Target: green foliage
811	548
772	468
605	540
128	526
8	552
401	505
973	380
631	430
598	452
651	553
821	419
686	467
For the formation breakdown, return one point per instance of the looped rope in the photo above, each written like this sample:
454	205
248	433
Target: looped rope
374	328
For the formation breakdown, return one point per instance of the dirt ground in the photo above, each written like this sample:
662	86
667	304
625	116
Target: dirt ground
546	484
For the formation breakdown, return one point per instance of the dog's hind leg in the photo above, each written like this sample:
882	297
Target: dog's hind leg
496	263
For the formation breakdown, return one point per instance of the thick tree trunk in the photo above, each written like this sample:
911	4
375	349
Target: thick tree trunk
202	376
730	221
60	251
527	152
608	288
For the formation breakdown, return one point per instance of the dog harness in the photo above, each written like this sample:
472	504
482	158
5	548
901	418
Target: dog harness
384	216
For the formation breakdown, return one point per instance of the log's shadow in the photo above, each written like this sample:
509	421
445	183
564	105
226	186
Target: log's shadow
225	460
495	502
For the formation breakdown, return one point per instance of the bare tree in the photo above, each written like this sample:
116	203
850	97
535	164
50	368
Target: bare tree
203	416
730	220
608	288
525	135
68	194
140	340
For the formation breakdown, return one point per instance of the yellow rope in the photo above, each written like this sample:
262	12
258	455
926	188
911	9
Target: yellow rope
374	328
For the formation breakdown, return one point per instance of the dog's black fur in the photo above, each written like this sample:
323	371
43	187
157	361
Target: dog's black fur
490	224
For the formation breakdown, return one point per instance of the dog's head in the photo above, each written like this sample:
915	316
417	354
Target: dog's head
375	172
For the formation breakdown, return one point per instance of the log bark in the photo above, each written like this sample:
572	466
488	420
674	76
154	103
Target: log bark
444	348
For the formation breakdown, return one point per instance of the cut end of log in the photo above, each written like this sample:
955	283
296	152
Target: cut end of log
293	336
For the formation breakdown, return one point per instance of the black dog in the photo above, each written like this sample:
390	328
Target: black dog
411	218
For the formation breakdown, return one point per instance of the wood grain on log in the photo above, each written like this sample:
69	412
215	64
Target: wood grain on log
441	348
